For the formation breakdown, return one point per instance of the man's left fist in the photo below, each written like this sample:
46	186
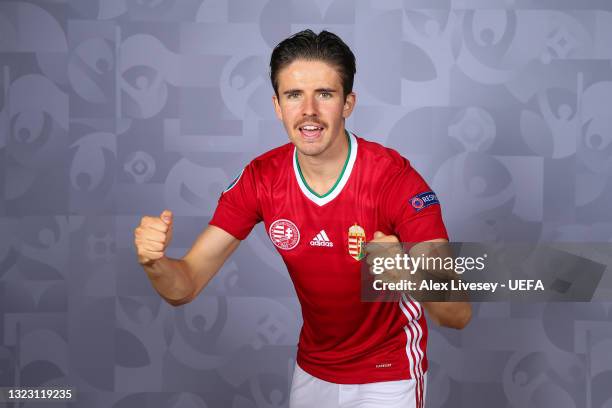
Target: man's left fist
384	246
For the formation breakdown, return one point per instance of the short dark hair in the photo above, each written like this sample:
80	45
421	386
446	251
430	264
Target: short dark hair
307	45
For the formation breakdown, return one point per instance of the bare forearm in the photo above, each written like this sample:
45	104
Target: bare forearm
455	315
171	279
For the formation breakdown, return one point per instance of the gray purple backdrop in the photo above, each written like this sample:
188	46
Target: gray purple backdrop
114	109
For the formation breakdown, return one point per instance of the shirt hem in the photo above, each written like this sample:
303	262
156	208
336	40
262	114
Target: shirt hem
335	379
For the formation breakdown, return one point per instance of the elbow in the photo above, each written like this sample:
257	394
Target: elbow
454	315
175	303
461	319
456	318
178	302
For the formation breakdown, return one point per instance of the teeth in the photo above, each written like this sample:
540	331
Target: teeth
311	127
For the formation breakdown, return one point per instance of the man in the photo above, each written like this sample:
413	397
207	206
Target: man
321	196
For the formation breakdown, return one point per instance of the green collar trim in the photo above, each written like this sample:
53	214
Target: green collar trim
348	139
340	182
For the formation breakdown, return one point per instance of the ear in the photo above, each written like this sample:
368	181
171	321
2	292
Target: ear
277	108
349	105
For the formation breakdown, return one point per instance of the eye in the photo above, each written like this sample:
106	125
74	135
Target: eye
325	95
293	95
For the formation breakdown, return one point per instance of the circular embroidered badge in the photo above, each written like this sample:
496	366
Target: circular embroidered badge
284	234
417	203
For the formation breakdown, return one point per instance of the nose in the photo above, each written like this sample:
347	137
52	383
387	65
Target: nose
309	107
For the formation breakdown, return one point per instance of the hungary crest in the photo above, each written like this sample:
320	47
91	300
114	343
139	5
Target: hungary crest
356	237
284	234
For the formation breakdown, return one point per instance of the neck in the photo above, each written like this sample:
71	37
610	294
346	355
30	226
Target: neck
322	171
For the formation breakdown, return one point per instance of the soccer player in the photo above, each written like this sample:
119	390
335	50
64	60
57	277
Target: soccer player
321	197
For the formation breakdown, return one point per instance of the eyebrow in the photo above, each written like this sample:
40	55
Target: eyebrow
290	91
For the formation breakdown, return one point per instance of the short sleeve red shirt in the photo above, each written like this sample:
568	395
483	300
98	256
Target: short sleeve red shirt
343	339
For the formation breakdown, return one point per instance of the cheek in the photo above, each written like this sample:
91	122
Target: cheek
289	110
333	112
289	115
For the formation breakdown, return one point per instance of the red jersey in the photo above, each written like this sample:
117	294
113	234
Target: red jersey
343	340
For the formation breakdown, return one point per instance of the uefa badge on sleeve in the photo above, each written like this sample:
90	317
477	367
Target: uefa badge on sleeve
423	200
356	239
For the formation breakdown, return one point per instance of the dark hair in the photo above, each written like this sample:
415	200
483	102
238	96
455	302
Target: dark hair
307	45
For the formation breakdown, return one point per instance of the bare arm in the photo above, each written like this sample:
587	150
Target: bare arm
192	272
179	281
455	314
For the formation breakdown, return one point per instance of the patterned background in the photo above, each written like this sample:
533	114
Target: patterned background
113	109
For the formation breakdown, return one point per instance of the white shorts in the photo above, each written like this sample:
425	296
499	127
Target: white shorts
311	392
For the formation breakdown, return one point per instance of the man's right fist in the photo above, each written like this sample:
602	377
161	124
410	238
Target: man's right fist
152	237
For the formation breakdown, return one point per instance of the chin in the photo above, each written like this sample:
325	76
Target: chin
306	148
310	150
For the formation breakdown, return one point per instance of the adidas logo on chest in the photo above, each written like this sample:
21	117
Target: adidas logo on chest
321	240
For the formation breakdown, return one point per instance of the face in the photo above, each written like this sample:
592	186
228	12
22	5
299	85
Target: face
312	106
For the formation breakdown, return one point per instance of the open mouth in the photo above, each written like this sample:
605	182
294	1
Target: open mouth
311	131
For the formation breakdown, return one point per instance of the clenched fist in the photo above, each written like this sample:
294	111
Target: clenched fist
152	237
384	246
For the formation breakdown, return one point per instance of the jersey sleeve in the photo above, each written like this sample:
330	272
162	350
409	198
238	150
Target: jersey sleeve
410	209
238	208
